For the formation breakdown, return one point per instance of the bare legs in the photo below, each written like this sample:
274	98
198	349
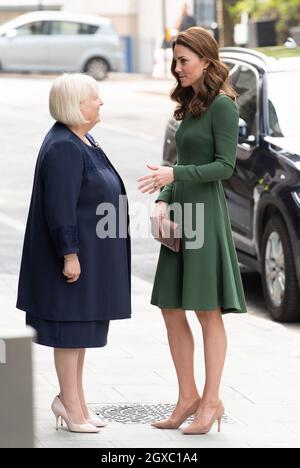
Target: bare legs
215	347
80	383
181	344
69	367
182	350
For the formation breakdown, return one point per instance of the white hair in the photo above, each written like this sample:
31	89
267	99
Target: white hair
67	93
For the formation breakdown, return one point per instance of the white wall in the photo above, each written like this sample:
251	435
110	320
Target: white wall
174	10
10	9
150	27
121	12
31	3
124	7
102	7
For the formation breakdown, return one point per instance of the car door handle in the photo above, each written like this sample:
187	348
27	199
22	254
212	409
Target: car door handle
246	146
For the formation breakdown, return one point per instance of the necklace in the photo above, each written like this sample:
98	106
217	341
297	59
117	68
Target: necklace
86	141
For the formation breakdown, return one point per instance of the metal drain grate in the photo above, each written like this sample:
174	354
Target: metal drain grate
137	413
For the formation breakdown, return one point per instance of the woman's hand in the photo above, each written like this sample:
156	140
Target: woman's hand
160	177
160	210
71	268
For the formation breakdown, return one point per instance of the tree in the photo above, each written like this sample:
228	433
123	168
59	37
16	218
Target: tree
286	13
225	21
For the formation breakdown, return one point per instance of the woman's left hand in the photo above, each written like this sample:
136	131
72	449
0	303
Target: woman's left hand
160	177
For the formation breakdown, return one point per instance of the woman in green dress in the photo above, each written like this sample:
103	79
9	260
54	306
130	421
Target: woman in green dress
205	279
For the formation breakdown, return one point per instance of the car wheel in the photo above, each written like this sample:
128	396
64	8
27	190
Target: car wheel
278	273
97	68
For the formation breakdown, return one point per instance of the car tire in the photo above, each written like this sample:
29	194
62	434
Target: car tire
98	68
279	278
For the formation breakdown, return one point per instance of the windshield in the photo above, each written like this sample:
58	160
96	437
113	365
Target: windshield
284	103
8	26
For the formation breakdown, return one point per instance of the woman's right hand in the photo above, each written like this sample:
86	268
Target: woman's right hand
160	210
72	268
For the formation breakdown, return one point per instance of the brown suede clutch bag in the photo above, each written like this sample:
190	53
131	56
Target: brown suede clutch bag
167	232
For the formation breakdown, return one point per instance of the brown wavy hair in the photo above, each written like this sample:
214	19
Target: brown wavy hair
215	79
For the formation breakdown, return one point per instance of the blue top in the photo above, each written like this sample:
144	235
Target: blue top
71	180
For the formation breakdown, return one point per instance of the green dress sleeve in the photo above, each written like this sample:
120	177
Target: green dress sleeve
225	119
166	194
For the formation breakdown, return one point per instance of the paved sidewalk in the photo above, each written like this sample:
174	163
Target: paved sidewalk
260	386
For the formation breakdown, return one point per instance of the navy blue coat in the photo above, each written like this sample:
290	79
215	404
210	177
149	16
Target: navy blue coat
71	180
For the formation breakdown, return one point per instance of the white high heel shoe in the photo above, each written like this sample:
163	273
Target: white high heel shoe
60	412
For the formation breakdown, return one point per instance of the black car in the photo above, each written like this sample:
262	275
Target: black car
263	195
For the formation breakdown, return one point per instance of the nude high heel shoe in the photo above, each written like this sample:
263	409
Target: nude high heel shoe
194	429
60	412
174	423
96	421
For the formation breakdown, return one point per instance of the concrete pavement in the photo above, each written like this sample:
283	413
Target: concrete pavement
134	374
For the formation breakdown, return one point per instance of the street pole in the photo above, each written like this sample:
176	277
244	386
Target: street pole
220	21
40	5
164	15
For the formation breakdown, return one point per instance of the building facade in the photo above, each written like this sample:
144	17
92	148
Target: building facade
205	12
10	9
140	22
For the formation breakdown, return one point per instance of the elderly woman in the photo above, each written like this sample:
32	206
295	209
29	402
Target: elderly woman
73	281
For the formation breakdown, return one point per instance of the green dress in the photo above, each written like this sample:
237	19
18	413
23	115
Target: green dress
207	277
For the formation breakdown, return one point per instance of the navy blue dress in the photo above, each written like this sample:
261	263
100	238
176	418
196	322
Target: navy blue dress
71	180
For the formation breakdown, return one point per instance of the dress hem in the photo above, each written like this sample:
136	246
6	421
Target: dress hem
27	310
224	310
69	347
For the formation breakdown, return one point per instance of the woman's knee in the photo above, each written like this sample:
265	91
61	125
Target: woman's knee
207	316
173	315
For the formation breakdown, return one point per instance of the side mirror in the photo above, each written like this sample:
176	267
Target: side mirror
244	134
11	33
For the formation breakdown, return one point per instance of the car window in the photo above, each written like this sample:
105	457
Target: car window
274	125
284	103
229	65
32	29
246	87
88	28
70	28
233	68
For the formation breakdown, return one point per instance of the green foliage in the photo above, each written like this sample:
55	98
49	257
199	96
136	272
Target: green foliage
286	12
241	6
